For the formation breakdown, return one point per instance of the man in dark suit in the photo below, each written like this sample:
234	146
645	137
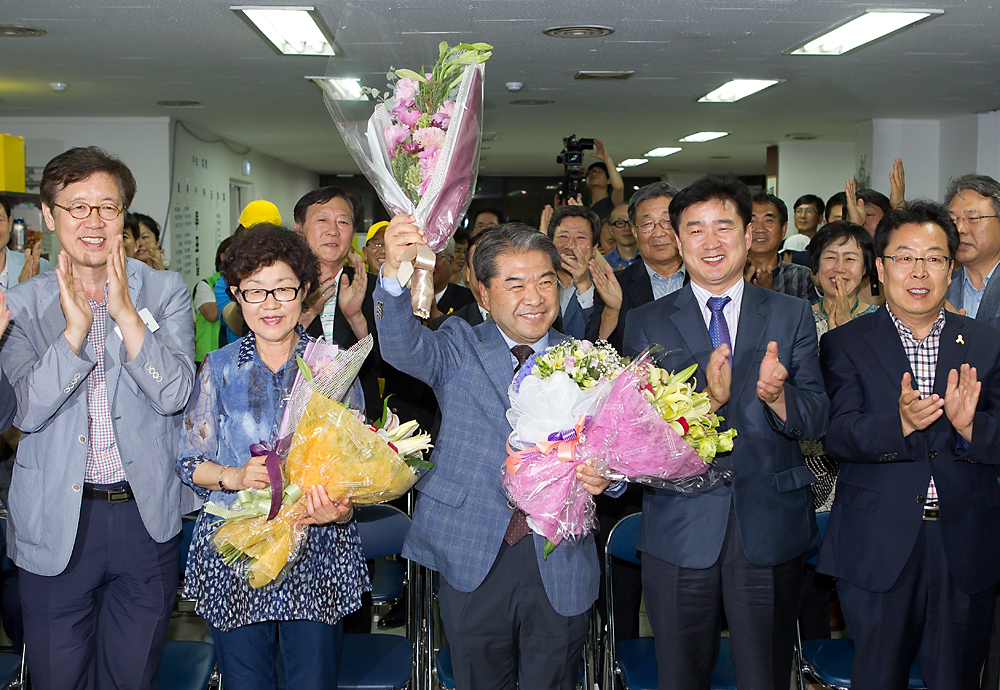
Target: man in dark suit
658	273
743	544
915	425
575	230
448	296
513	617
973	203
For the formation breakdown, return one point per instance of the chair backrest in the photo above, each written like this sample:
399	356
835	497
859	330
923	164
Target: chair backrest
623	537
382	529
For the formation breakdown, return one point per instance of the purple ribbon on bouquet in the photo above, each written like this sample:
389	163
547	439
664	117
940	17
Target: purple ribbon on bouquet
273	465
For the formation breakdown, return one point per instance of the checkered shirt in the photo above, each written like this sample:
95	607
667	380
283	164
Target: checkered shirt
104	464
923	356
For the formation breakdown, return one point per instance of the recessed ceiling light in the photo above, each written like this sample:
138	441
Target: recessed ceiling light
661	152
180	104
58	85
604	74
701	137
734	90
531	101
7	31
292	30
632	162
870	26
340	89
579	31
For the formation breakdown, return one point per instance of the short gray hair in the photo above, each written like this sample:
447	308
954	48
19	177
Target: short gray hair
448	249
981	184
510	238
654	190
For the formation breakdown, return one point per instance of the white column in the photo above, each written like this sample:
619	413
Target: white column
812	167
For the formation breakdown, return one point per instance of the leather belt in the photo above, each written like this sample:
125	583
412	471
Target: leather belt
109	495
931	512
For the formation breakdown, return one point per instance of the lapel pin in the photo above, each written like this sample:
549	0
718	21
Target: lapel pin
960	340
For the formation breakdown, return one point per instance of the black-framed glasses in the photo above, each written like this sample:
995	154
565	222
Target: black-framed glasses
647	227
258	295
969	220
620	224
81	210
932	262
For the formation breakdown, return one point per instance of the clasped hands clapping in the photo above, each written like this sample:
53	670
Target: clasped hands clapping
958	404
770	381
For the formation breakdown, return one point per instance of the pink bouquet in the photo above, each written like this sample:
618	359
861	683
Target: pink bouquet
420	149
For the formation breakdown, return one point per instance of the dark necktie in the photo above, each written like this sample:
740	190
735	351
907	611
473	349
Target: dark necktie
718	328
518	528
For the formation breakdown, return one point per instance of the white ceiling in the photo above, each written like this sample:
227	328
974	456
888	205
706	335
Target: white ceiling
122	56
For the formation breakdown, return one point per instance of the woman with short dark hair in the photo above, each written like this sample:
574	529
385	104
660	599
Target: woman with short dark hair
238	401
841	258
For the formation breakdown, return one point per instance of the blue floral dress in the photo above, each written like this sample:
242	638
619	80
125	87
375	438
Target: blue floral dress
238	401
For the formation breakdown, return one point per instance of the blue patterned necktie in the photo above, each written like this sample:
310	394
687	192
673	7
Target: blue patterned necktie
718	328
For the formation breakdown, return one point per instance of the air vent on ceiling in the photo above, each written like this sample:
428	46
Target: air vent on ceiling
180	104
620	75
801	136
579	31
8	31
720	158
531	101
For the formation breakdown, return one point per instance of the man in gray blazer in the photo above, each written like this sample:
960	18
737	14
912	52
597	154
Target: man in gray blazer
973	202
512	616
101	356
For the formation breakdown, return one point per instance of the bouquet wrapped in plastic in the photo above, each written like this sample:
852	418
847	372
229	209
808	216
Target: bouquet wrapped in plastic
321	442
654	428
577	402
420	149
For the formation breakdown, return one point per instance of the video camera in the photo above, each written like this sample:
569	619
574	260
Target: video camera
571	159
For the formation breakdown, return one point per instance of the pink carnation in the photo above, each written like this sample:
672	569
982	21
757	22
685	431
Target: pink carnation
428	162
442	118
406	89
394	136
408	117
429	136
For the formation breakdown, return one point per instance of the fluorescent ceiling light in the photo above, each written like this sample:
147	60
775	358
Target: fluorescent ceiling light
292	30
661	152
870	26
734	90
701	137
618	168
632	162
340	89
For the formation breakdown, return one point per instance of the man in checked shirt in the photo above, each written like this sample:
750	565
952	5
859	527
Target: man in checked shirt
915	423
101	356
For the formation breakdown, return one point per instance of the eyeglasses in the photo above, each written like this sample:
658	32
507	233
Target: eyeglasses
258	295
933	262
806	211
647	227
80	210
969	220
375	245
620	224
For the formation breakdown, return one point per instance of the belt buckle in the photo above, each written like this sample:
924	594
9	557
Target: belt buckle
931	512
118	496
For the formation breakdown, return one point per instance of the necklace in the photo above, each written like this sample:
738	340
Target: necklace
857	303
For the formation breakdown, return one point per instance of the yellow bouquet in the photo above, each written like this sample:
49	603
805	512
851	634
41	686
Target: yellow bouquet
330	447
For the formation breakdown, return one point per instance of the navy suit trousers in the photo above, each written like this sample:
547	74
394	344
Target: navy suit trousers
102	622
924	611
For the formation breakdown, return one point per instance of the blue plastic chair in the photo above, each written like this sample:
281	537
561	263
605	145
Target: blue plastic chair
373	661
446	676
186	665
383	529
634	661
10	669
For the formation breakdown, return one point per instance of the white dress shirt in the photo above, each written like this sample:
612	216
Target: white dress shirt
731	311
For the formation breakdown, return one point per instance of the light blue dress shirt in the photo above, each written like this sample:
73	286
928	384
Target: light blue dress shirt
664	286
971	297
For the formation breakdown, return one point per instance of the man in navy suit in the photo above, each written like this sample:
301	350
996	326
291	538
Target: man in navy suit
743	544
513	617
575	231
915	425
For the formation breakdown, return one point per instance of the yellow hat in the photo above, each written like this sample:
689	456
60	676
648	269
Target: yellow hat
375	229
260	211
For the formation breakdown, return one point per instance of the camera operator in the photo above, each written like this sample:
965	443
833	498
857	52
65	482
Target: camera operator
600	176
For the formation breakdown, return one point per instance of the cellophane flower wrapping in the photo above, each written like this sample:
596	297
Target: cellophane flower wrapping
550	402
322	443
420	148
653	428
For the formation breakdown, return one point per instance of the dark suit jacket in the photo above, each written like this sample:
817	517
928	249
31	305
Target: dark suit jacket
989	306
878	507
774	505
461	512
637	290
455	297
469	313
